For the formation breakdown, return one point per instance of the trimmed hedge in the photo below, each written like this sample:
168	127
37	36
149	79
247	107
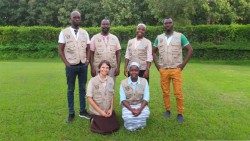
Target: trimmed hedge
208	41
201	33
201	51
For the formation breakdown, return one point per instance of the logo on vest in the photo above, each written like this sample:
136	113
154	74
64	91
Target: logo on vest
67	36
96	86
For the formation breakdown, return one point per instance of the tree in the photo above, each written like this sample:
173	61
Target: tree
242	10
179	10
128	12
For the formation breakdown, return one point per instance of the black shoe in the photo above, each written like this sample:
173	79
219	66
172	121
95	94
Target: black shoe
167	114
84	114
71	118
180	118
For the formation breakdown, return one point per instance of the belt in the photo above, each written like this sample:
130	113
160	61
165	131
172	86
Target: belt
79	64
169	68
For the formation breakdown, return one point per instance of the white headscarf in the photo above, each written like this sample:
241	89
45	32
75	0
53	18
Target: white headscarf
134	64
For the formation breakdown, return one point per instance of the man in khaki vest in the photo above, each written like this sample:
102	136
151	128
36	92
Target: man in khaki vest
105	46
170	64
74	51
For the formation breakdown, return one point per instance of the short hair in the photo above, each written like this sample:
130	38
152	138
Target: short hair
168	18
73	12
105	19
141	24
104	62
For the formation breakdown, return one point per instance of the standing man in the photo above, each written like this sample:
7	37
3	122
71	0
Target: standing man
139	50
170	64
74	51
105	46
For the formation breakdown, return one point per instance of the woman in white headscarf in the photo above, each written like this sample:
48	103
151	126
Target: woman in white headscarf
134	97
139	49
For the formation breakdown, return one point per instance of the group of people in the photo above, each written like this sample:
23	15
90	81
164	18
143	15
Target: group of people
103	54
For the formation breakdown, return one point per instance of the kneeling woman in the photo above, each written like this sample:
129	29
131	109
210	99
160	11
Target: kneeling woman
100	93
134	96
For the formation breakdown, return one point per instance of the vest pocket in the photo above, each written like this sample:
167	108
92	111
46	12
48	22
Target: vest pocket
176	42
97	97
112	48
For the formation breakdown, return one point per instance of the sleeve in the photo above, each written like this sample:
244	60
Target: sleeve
156	42
88	41
184	41
90	89
122	94
127	52
92	44
146	93
118	45
61	38
149	52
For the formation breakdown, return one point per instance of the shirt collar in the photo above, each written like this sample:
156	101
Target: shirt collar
102	80
130	81
73	28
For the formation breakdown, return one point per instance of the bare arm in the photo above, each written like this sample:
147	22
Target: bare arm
127	105
143	104
125	67
93	71
96	107
109	112
146	73
118	60
61	48
88	53
188	56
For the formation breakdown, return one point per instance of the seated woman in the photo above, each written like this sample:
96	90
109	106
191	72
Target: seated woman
134	96
100	94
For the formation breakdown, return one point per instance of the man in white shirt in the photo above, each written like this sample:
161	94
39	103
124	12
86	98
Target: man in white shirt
74	51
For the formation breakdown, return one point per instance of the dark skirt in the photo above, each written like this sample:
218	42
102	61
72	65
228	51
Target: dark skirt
104	125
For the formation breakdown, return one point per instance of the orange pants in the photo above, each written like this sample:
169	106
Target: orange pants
175	75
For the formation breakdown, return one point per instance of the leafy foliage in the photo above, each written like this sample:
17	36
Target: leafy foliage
124	12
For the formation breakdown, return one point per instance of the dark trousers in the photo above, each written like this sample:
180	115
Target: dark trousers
141	72
72	72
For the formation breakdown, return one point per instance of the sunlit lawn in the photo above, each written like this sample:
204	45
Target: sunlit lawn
217	104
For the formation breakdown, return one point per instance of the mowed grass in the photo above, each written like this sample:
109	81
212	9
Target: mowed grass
217	104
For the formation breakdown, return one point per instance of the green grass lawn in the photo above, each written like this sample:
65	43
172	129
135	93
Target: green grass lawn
217	104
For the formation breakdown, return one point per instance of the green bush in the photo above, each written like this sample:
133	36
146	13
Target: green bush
207	40
200	33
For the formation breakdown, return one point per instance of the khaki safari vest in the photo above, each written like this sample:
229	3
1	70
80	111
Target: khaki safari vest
105	51
170	56
102	96
134	96
138	53
75	49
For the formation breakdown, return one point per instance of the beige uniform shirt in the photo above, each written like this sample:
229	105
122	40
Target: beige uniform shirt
139	51
102	92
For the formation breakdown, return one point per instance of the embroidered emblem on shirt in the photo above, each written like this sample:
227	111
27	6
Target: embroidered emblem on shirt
96	86
67	36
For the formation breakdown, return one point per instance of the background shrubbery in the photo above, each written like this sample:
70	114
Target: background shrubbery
208	41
